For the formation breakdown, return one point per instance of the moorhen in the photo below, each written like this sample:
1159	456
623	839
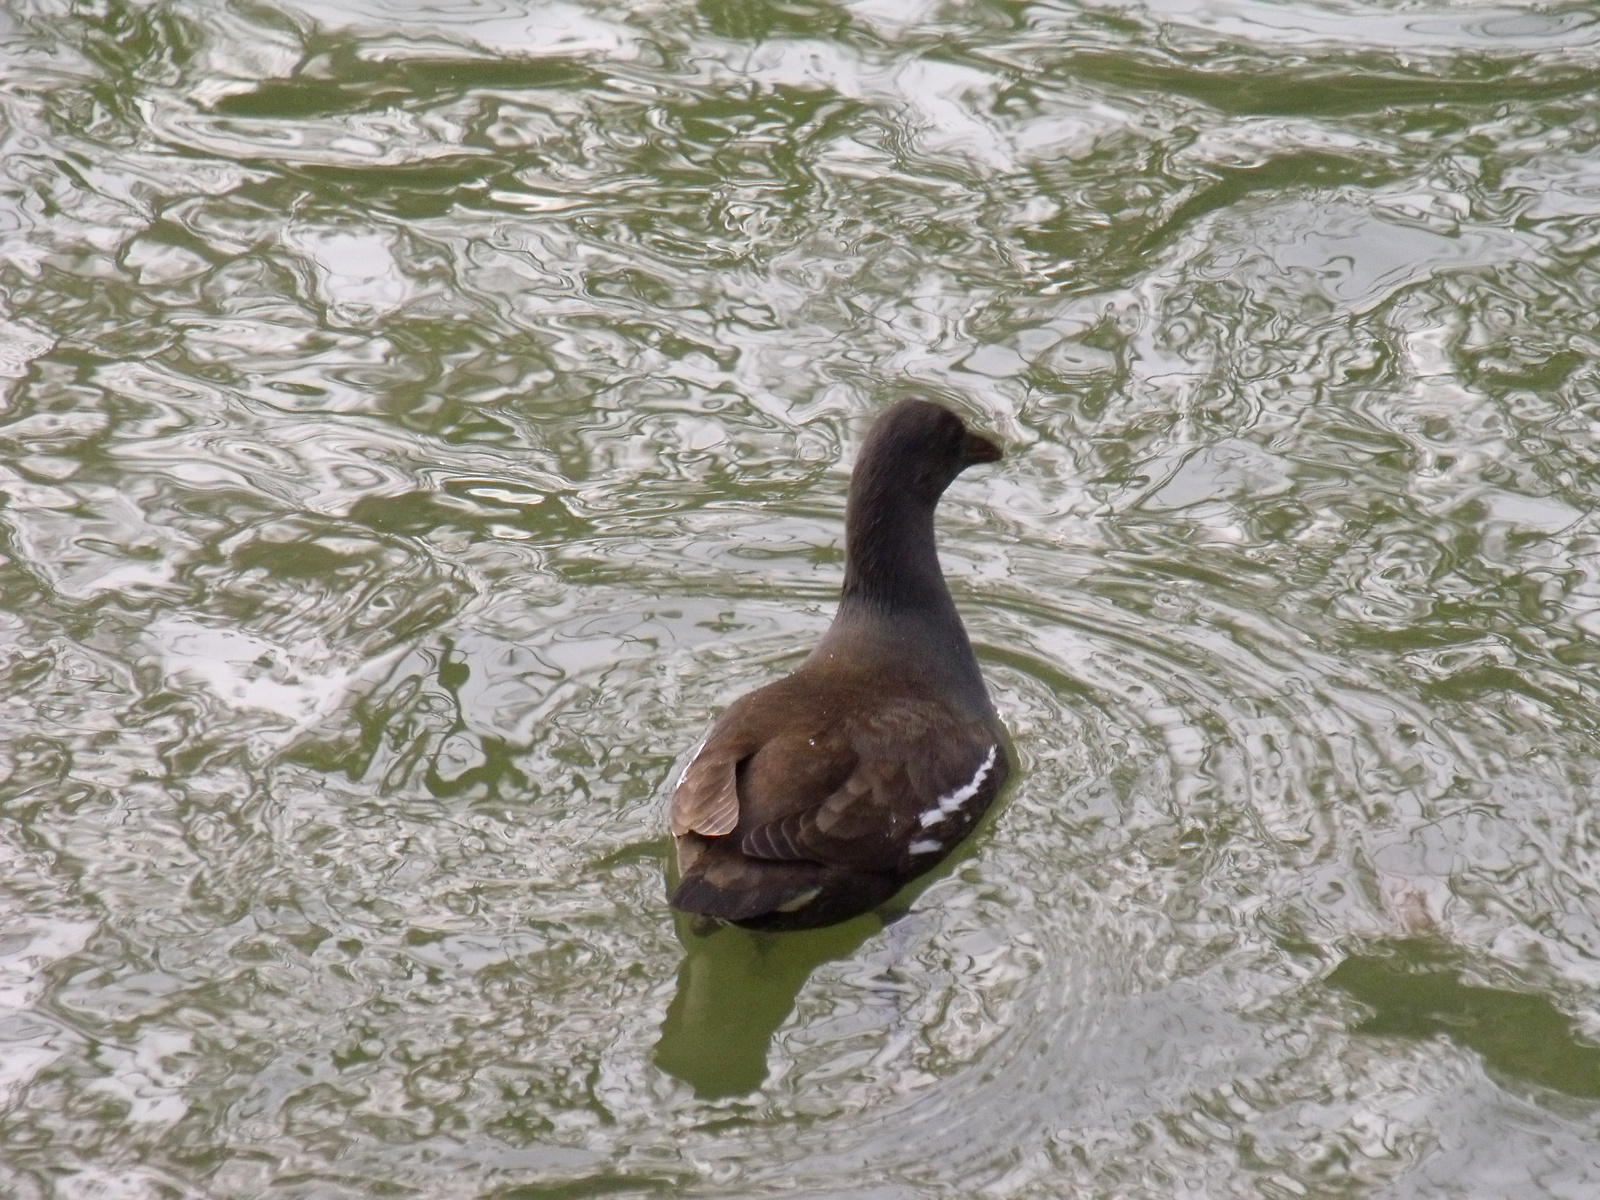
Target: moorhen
815	798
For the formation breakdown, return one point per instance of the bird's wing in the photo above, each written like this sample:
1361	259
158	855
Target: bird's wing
707	798
917	772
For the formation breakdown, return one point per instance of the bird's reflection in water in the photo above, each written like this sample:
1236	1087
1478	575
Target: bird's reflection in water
735	987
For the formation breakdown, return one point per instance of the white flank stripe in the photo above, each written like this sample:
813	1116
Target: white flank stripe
950	804
925	846
800	901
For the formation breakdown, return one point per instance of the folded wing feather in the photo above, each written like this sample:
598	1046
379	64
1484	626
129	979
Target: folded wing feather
707	799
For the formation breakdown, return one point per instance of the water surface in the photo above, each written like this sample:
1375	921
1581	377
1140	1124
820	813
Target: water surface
417	421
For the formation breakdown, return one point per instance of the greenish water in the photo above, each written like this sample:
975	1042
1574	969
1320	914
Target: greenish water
417	420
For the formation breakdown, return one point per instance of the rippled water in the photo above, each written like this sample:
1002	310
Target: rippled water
419	419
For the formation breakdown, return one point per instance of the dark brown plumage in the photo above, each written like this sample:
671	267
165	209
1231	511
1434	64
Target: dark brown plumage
817	797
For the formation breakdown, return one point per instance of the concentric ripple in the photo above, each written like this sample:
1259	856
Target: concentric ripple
418	422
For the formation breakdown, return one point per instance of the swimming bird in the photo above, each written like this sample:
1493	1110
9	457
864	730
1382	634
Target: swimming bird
815	798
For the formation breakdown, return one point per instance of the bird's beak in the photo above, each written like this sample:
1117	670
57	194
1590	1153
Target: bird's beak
975	448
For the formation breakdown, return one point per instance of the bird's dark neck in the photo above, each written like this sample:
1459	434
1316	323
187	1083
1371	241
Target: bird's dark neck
891	564
895	613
